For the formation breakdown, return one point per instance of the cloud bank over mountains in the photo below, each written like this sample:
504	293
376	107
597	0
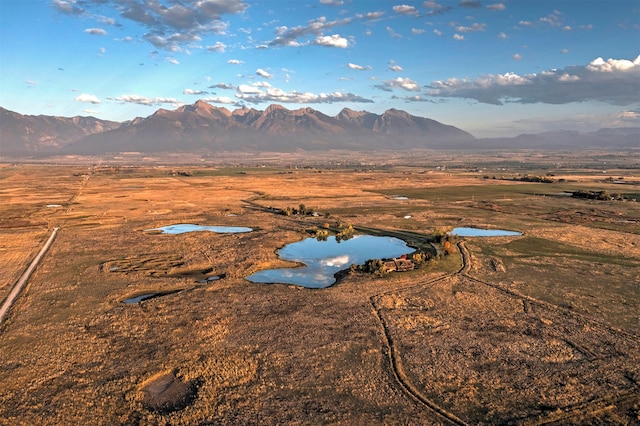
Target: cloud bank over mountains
615	81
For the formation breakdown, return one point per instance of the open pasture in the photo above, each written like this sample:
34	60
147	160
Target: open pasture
540	328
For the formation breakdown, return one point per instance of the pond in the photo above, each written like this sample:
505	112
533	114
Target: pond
477	232
147	296
182	228
140	298
323	259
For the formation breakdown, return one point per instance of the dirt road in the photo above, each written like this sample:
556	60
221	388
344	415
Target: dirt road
8	302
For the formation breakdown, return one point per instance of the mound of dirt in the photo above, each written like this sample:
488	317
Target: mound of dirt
165	392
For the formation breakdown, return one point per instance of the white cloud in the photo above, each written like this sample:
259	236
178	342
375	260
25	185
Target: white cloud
436	9
223	86
289	36
332	2
193	92
143	100
217	47
358	67
458	37
496	6
374	15
417	31
564	51
173	61
437	32
93	99
332	41
95	31
167	24
628	118
258	95
605	81
517	56
31	82
526	23
400	83
221	100
553	19
235	61
404	9
503	36
395	68
473	28
248	90
68	7
612	65
392	33
263	73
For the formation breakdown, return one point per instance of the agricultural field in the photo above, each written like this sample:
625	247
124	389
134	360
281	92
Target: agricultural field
541	328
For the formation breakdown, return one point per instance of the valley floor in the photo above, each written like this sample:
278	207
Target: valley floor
541	328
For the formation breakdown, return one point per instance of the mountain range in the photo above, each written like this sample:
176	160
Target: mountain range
201	127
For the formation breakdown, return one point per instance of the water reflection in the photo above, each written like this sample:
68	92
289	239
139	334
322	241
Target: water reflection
182	228
323	259
477	232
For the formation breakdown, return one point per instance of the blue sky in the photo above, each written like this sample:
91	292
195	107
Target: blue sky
493	68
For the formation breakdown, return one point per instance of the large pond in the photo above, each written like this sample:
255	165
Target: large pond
323	259
187	227
477	232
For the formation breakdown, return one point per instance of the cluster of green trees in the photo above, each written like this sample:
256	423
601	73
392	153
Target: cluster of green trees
525	178
292	211
346	232
446	240
598	195
342	232
376	266
541	179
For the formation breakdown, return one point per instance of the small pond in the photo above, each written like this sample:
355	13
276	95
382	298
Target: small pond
477	232
210	279
323	259
147	296
140	298
182	228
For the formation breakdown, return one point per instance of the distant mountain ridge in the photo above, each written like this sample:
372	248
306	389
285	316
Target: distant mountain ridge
201	127
29	134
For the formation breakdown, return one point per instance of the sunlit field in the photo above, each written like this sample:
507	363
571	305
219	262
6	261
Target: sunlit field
542	328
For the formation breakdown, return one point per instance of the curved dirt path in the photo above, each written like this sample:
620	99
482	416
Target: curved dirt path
15	291
395	360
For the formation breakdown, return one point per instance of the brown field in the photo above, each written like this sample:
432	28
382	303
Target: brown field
543	328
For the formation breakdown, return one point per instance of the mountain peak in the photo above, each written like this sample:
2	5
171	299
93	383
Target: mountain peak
274	107
349	114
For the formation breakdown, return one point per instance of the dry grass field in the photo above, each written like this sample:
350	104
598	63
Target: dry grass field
542	328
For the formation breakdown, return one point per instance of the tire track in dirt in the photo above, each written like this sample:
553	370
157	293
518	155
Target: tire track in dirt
395	360
83	184
405	384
